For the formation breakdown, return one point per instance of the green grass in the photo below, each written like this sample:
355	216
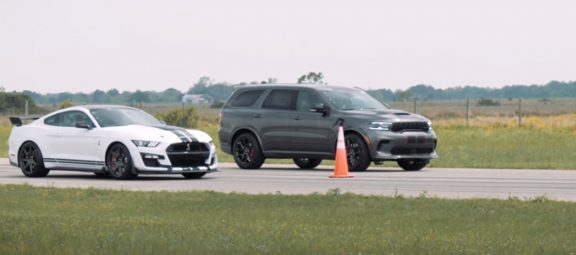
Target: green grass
91	221
4	133
525	147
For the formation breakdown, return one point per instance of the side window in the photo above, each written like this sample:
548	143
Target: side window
53	120
68	119
246	98
282	99
306	99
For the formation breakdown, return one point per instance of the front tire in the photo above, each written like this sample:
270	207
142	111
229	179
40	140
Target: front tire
413	164
31	160
307	163
119	162
247	152
357	153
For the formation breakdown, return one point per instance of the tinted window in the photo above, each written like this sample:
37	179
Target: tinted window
68	119
246	98
306	99
111	117
281	99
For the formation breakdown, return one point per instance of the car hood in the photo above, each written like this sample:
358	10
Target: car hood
387	114
163	133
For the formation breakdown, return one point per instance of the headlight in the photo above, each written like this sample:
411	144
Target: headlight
377	125
144	143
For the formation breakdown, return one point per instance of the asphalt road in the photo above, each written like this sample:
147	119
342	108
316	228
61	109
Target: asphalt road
288	179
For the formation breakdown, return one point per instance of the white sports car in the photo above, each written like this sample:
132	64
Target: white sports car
109	140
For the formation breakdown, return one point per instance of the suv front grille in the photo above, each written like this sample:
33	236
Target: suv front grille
412	126
188	154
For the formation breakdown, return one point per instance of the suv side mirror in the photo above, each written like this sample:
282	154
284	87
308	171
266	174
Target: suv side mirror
321	108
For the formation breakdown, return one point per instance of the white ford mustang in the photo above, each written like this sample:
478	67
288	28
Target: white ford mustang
109	140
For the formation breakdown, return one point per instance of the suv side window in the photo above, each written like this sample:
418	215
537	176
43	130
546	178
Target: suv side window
281	99
306	99
246	98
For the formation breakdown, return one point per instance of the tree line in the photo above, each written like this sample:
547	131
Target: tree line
220	91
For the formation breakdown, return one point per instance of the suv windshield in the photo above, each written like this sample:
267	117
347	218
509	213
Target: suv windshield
351	99
112	117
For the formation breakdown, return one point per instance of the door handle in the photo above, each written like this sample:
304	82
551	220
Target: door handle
297	118
257	116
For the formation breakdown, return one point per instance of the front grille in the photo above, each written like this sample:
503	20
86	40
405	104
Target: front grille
188	154
410	126
184	147
190	160
411	151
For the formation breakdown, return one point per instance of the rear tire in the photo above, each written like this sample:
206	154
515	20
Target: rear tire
31	160
119	162
413	164
247	152
307	163
357	153
193	175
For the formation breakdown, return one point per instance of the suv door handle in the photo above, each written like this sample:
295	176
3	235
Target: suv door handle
257	116
297	118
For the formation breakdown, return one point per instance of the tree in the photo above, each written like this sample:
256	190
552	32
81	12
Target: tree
312	78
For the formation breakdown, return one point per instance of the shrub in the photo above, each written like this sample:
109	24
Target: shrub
180	116
487	102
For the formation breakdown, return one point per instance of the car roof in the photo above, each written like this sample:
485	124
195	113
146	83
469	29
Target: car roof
293	85
100	106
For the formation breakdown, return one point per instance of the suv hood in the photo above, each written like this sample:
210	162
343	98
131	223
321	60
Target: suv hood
387	114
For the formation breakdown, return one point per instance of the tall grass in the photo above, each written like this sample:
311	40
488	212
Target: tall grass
90	221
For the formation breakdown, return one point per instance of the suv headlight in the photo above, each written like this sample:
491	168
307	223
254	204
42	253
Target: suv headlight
379	125
144	143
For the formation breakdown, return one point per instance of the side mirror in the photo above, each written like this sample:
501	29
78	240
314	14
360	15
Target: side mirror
83	125
320	108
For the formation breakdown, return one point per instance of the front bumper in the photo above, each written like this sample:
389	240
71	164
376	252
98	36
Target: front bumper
402	145
167	161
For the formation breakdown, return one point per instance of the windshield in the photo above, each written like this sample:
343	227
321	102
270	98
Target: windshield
112	117
351	99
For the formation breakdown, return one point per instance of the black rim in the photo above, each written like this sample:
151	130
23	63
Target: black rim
118	161
29	159
353	151
244	150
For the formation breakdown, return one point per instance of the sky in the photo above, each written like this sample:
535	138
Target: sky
81	46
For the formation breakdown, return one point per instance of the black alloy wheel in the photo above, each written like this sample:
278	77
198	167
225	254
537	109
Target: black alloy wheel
31	160
357	153
307	163
247	153
119	162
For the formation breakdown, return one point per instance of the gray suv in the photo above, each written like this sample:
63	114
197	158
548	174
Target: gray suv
300	122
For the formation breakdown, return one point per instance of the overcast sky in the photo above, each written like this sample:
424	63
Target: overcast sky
76	45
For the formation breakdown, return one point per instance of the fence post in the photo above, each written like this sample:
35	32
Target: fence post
26	110
519	112
467	111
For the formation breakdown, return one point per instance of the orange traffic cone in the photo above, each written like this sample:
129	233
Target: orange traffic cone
341	164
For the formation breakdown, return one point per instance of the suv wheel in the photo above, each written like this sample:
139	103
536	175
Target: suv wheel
307	163
247	153
412	164
357	153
